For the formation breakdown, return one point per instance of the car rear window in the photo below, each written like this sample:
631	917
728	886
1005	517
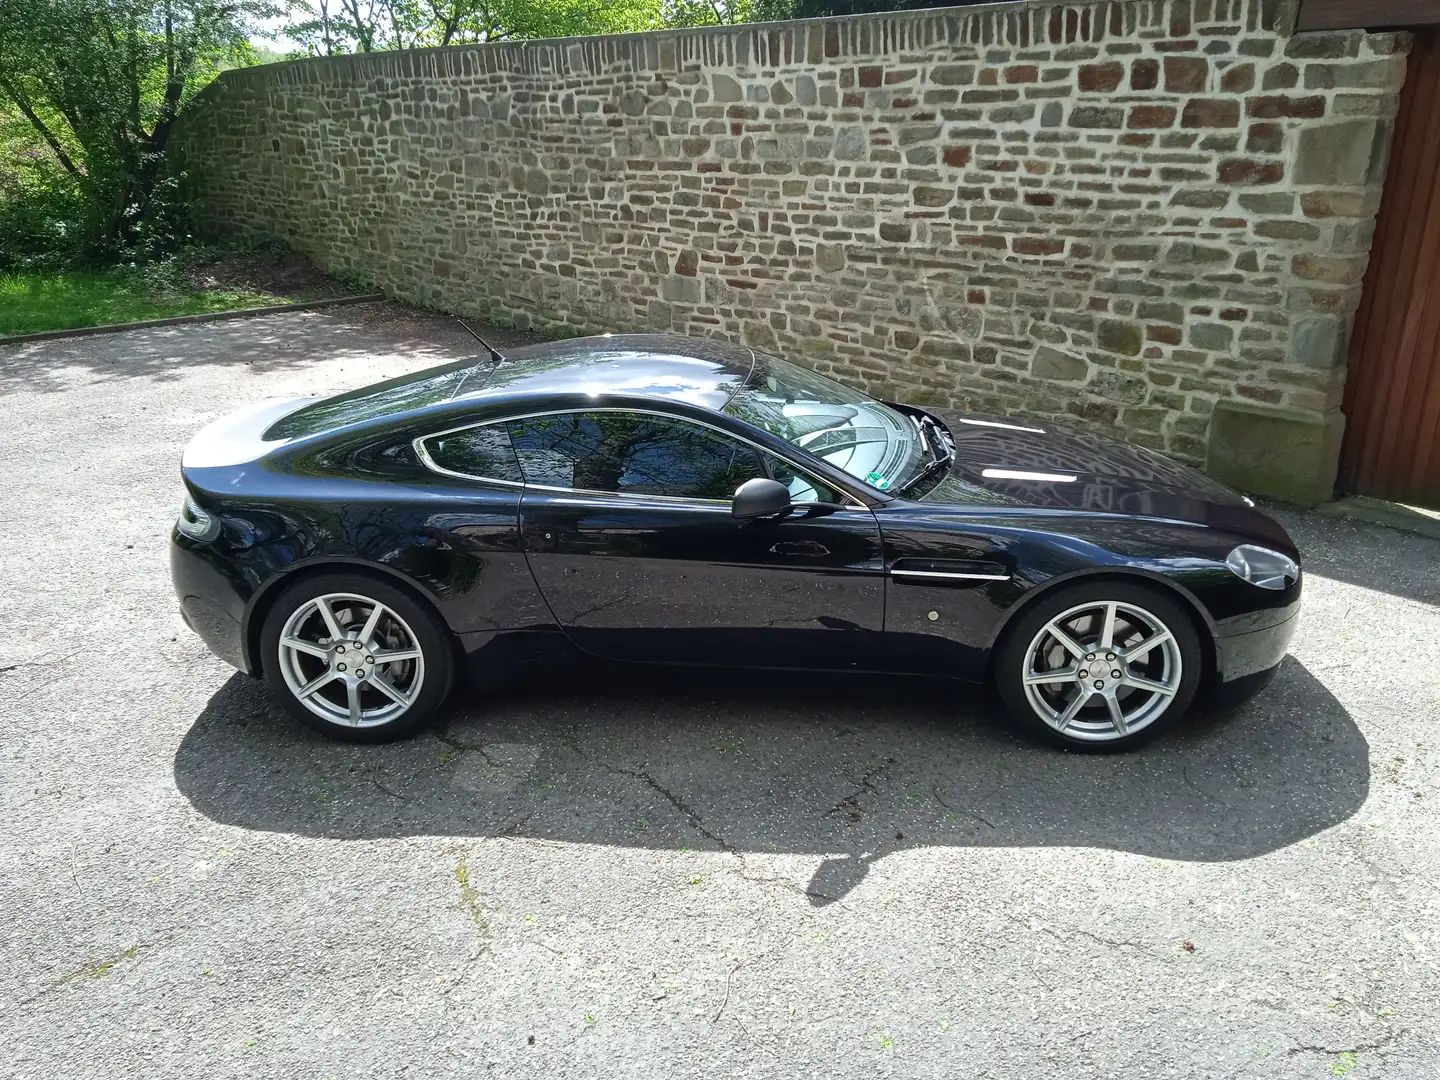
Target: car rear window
429	387
481	453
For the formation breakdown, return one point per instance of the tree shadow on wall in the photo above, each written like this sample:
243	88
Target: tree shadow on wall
852	770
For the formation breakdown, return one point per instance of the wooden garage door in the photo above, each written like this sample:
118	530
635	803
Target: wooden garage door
1392	400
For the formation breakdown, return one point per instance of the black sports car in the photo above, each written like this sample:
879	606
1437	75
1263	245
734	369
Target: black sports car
665	500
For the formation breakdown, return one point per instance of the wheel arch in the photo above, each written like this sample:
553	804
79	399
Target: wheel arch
1189	602
263	600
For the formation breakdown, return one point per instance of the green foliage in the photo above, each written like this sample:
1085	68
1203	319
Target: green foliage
823	9
95	86
32	301
329	27
725	12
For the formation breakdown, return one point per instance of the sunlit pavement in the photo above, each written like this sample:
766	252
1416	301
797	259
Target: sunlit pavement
665	877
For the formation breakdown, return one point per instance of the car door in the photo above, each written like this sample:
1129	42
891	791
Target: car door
626	523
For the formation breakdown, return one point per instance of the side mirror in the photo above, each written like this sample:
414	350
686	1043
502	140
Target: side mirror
760	498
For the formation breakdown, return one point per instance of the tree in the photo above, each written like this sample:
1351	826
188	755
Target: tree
821	9
328	27
100	82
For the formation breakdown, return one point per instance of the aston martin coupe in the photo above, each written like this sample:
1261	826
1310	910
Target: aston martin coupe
657	499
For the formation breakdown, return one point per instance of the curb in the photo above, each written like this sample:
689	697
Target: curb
1415	520
181	320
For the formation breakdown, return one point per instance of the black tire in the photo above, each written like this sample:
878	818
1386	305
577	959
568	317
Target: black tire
436	665
1085	732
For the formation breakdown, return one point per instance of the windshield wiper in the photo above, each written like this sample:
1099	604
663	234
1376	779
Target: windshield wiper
942	449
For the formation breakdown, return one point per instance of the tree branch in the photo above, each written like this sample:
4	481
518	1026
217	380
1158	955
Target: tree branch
23	104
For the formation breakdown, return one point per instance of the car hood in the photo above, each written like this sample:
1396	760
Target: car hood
1036	463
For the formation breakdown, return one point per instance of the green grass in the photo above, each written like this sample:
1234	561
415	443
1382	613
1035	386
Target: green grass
58	300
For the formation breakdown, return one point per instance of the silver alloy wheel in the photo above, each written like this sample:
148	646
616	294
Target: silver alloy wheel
1102	670
351	660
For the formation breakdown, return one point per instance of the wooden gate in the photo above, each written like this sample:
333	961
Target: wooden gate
1392	399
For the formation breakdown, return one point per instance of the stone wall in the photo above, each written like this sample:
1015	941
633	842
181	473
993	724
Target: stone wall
1152	216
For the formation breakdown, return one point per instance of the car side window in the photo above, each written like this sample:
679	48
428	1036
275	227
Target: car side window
803	487
483	453
632	454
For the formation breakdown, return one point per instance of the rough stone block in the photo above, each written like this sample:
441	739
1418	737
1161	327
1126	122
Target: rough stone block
1328	204
850	144
933	196
1315	342
1134	252
1118	386
953	74
1186	74
1211	113
1265	139
1248	172
1286	454
680	290
1213	337
1151	116
1201	198
1238	79
1287	230
1125	338
1100	78
1096	116
1144	74
1275	107
1267	202
1324	46
1185	253
1344	154
1051	363
725	88
1162	312
1037	245
1329	269
1280	77
1376	75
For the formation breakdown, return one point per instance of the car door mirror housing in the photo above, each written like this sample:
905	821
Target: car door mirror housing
760	498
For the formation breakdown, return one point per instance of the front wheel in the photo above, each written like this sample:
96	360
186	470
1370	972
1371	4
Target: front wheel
356	658
1101	667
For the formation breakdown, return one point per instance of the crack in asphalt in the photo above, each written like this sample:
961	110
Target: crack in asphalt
470	748
1066	933
850	804
969	811
698	823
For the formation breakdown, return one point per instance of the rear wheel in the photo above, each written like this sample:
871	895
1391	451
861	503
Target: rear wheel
1103	666
356	658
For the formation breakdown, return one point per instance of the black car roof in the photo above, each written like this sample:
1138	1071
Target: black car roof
667	367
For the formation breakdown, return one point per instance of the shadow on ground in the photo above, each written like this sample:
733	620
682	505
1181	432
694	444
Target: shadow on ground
264	343
1361	553
805	764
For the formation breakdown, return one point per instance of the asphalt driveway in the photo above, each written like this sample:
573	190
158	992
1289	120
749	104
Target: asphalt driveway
664	877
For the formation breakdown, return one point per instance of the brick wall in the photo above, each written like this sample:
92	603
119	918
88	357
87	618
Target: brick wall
1152	216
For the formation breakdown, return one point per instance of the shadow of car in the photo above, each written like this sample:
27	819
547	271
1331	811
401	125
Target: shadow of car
850	769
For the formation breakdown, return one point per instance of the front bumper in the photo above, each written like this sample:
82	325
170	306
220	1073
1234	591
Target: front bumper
211	601
1243	655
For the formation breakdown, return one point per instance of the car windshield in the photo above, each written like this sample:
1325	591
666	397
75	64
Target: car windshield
851	430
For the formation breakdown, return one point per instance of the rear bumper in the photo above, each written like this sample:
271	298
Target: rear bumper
211	601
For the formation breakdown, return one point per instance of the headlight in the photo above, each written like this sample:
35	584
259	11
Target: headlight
1263	567
197	523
